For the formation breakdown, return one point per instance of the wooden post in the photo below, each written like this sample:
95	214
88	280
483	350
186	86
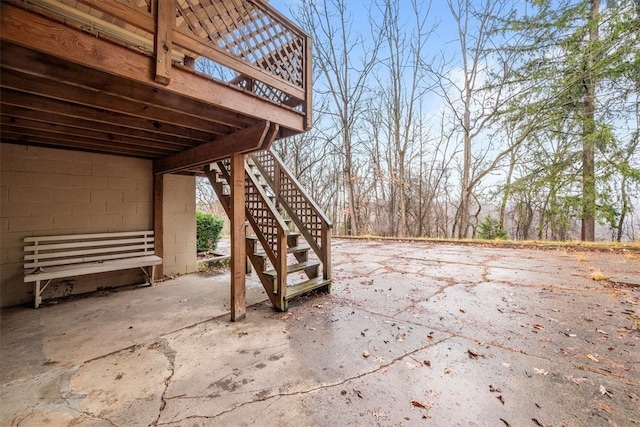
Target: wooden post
158	219
165	19
238	244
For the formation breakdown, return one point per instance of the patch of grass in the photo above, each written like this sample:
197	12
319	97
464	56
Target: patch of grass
581	257
598	275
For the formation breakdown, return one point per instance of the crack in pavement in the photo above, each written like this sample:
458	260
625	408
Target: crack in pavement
312	389
162	345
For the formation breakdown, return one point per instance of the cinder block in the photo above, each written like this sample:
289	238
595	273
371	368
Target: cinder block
119	183
31	194
106	195
30	223
99	169
144	208
88	208
13	209
16	178
54	180
71	195
74	224
137	222
137	195
145	183
185	237
72	168
122	208
96	182
106	223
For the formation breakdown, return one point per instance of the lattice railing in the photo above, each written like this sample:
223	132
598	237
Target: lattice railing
254	33
262	214
308	217
249	39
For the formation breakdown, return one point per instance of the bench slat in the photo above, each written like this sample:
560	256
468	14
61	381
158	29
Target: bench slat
50	255
86	244
87	236
80	260
93	267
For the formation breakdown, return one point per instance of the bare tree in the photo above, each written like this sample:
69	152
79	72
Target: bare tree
345	63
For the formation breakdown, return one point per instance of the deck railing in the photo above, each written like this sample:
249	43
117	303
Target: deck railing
310	220
266	53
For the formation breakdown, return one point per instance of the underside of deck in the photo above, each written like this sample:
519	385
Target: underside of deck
113	78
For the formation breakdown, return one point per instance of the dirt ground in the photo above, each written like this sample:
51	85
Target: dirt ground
412	334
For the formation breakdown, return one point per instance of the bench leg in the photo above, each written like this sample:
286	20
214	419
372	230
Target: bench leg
37	294
153	274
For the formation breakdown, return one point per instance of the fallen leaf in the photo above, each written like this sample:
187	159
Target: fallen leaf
500	399
462	310
541	371
605	392
427	363
576	380
379	415
601	331
536	422
538	326
505	422
430	337
605	407
418	404
474	354
493	389
358	393
589	356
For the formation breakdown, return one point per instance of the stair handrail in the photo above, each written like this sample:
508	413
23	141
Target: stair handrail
282	230
321	244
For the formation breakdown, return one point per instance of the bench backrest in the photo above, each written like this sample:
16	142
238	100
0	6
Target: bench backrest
47	251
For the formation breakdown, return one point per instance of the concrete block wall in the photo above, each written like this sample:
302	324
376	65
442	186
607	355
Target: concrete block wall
46	191
179	225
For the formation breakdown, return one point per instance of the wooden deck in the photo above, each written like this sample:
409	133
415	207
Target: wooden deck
180	82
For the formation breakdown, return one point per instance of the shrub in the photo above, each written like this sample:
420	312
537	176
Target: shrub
208	231
490	229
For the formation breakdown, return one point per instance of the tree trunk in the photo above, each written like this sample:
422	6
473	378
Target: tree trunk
588	156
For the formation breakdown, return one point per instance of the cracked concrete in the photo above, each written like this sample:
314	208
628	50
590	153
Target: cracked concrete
413	334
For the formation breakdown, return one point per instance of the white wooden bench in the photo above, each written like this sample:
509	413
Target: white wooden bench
54	257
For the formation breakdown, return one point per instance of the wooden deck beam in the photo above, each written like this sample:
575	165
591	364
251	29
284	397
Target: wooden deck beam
254	138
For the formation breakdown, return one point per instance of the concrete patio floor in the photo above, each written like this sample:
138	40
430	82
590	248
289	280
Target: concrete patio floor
412	334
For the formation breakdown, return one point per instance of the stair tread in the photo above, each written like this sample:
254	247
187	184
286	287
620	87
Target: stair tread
306	286
292	250
292	268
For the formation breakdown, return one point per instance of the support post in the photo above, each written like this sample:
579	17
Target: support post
238	245
158	223
165	20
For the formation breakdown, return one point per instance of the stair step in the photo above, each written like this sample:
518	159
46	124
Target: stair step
293	250
306	286
295	267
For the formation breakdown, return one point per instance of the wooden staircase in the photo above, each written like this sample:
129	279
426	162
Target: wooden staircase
290	248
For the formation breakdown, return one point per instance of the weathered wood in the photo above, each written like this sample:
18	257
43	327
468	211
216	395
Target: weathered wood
165	20
238	244
56	257
308	85
158	219
108	129
25	81
14	100
44	35
240	142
